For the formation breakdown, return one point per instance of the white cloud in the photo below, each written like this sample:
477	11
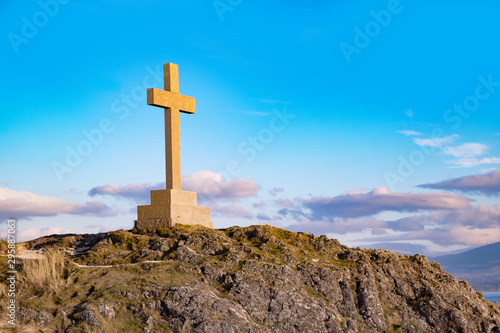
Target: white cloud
34	233
472	162
22	204
102	228
487	170
466	150
409	133
436	142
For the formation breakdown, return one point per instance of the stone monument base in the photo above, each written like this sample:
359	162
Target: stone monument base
171	207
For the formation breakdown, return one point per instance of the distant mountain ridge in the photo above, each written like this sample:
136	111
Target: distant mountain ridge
480	266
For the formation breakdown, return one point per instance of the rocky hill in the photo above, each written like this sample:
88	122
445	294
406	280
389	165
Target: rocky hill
254	279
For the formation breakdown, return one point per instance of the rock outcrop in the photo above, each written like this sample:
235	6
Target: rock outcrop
254	279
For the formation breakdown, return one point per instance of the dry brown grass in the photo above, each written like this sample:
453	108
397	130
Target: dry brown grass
3	290
20	248
45	275
6	327
3	246
3	302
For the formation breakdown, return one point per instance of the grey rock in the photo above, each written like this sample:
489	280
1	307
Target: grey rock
89	317
129	294
150	324
161	245
107	311
27	314
40	318
369	302
43	318
188	255
200	310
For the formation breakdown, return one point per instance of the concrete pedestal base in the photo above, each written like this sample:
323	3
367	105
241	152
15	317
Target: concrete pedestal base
171	207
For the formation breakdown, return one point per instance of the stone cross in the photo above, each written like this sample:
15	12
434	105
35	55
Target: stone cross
173	102
172	205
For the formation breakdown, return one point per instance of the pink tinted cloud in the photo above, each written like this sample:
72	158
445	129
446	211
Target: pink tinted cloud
379	200
136	191
33	233
472	162
211	186
488	184
476	225
230	211
441	218
473	236
276	190
259	204
341	226
447	236
479	216
25	205
100	227
286	203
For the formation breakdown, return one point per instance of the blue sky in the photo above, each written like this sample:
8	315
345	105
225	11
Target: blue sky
329	116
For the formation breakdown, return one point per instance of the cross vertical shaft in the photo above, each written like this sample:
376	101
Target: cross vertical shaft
172	149
173	103
172	130
171	77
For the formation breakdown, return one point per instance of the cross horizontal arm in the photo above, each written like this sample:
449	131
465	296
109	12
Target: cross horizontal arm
167	99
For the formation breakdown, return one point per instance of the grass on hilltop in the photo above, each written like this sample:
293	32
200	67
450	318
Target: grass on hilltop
46	275
3	246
